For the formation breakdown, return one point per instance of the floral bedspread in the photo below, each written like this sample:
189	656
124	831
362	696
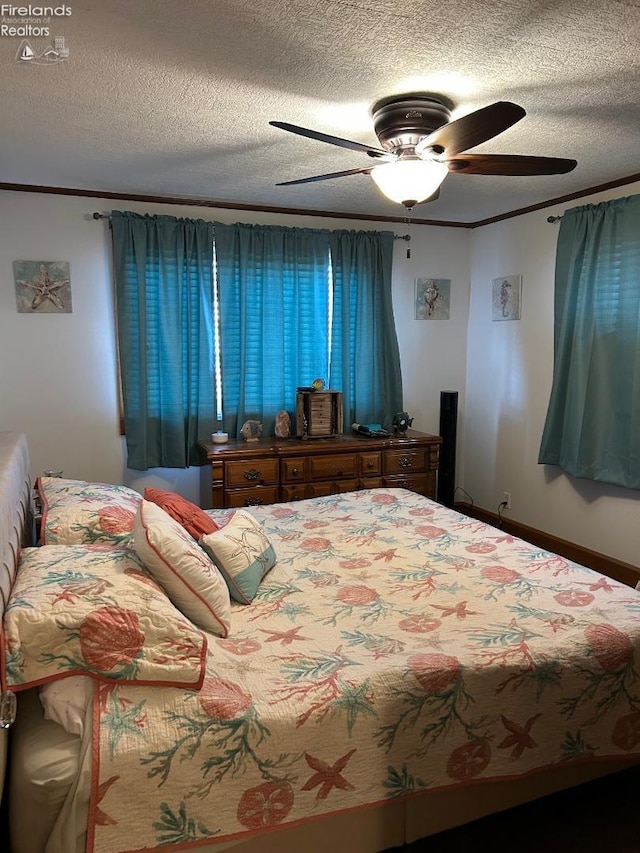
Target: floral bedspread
396	646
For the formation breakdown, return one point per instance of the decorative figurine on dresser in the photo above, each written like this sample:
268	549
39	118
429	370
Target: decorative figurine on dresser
401	422
283	425
251	430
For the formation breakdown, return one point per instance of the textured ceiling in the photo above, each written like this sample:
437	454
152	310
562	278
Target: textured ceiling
173	97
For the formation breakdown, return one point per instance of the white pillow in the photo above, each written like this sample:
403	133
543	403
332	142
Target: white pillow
65	701
243	553
175	559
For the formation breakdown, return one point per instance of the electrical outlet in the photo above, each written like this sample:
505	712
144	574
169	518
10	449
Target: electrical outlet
506	497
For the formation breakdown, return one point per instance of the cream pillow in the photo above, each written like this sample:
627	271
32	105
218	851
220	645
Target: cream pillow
243	553
94	610
77	512
176	561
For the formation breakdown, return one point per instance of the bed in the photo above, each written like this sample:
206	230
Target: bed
374	668
16	530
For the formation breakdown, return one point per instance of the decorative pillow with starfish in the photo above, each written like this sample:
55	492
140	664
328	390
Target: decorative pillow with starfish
243	553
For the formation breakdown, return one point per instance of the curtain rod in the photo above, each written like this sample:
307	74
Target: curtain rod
406	237
554	218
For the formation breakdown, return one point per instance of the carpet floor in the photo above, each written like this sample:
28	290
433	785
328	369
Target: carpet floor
599	817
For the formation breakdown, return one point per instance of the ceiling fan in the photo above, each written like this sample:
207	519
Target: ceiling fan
420	145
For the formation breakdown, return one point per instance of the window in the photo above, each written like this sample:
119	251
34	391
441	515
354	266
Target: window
297	304
226	321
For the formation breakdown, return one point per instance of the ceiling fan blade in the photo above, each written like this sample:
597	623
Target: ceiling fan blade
325	177
472	129
509	164
332	140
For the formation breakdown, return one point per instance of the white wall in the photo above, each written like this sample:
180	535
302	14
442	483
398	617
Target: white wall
509	373
58	381
433	352
58	371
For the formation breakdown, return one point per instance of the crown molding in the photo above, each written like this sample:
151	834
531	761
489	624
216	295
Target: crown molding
300	211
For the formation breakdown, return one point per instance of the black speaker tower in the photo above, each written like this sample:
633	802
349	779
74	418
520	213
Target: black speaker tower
448	427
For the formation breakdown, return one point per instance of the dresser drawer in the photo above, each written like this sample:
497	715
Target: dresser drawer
295	492
321	490
293	470
370	483
251	497
405	461
342	486
251	472
423	484
332	487
330	467
370	464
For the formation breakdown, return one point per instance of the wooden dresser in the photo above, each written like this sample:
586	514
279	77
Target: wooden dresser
270	470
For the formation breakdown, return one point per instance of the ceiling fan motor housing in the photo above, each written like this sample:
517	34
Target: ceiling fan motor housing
401	122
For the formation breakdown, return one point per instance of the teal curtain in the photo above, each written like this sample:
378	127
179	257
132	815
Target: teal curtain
274	309
592	428
298	304
365	358
164	302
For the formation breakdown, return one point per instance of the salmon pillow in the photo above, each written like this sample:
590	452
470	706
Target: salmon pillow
194	520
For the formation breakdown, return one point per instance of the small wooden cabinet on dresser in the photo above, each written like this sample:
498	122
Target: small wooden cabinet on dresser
270	470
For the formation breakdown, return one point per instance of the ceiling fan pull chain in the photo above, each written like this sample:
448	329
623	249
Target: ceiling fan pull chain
407	219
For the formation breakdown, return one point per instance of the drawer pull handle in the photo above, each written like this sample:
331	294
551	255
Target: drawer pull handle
252	501
404	462
251	474
295	472
370	465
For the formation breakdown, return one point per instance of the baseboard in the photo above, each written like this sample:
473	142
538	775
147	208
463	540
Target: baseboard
616	569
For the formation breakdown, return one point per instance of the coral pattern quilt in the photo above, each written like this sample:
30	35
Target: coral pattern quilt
95	610
395	647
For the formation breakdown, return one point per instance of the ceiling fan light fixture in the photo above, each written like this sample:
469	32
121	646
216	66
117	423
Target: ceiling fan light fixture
409	180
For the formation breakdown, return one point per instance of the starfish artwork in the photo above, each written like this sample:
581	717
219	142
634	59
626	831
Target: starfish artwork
42	286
